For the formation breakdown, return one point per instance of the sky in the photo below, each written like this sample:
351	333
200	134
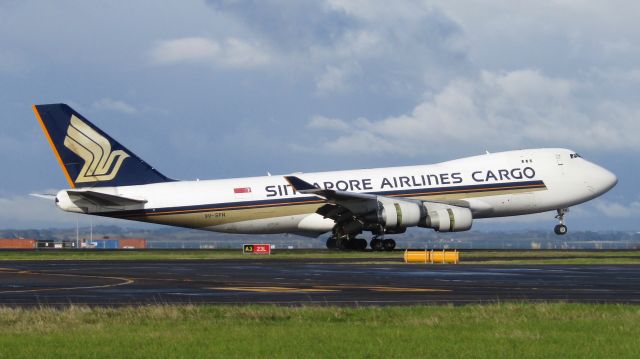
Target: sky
232	88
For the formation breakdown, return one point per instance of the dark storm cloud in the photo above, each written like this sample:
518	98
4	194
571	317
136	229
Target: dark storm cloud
293	24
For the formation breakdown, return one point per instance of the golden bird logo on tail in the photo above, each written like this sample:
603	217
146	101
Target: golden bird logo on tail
100	163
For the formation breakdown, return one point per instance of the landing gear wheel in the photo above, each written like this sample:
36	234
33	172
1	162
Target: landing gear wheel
352	244
376	244
342	243
560	229
389	244
361	244
331	243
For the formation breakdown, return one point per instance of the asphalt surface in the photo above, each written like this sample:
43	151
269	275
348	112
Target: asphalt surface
308	281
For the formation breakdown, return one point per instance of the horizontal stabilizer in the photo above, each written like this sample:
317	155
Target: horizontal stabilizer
103	199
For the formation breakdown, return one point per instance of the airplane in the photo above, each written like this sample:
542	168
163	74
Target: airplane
107	179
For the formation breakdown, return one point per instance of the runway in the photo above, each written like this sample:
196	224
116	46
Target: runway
308	281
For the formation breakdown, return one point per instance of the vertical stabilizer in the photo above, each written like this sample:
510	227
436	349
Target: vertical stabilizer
88	156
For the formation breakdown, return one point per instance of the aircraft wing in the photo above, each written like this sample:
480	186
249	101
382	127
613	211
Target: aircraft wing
103	199
340	204
343	205
329	194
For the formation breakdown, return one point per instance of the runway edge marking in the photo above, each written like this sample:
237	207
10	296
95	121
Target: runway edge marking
125	281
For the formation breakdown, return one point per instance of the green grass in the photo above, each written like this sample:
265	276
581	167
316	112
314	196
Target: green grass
550	257
467	257
475	331
184	254
551	253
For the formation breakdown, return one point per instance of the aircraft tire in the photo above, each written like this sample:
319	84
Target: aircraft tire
376	244
560	229
389	244
331	243
351	244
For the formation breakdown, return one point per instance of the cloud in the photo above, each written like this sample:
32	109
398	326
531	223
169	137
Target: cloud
242	54
380	11
358	46
567	36
292	26
109	104
612	209
228	53
188	49
22	211
617	77
27	212
326	123
336	79
499	110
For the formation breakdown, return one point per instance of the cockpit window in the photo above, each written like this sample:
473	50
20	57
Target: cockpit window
575	155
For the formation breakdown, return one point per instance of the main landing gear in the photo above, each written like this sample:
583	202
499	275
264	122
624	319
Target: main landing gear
346	242
381	244
560	229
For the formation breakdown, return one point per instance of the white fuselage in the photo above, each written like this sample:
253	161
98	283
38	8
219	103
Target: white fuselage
492	185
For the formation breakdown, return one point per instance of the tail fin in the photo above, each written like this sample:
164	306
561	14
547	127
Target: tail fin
88	156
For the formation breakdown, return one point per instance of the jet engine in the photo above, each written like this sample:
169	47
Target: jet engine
447	218
397	215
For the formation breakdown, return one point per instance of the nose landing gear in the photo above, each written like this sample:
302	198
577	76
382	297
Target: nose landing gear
560	229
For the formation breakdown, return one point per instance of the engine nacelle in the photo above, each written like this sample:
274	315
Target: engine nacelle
397	215
448	218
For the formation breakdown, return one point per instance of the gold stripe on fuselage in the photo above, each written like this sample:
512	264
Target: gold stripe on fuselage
208	217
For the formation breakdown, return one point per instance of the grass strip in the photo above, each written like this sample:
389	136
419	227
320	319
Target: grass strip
503	330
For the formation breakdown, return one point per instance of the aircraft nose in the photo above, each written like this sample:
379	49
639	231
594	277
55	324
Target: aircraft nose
604	179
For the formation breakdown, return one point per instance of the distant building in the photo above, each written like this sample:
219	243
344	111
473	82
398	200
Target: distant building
17	243
119	243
